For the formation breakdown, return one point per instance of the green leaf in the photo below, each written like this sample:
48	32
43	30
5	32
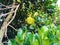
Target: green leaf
20	36
44	28
28	38
51	36
41	33
19	41
45	42
37	40
20	33
58	27
12	42
58	34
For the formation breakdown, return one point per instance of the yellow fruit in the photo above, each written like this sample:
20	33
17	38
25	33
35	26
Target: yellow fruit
30	20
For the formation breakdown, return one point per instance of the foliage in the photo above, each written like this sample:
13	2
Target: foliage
38	23
45	36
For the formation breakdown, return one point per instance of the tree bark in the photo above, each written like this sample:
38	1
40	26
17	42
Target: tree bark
3	27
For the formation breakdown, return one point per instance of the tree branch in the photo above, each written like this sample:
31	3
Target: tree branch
7	22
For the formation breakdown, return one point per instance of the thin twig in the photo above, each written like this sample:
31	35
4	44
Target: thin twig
11	19
6	8
5	5
13	27
2	15
13	16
